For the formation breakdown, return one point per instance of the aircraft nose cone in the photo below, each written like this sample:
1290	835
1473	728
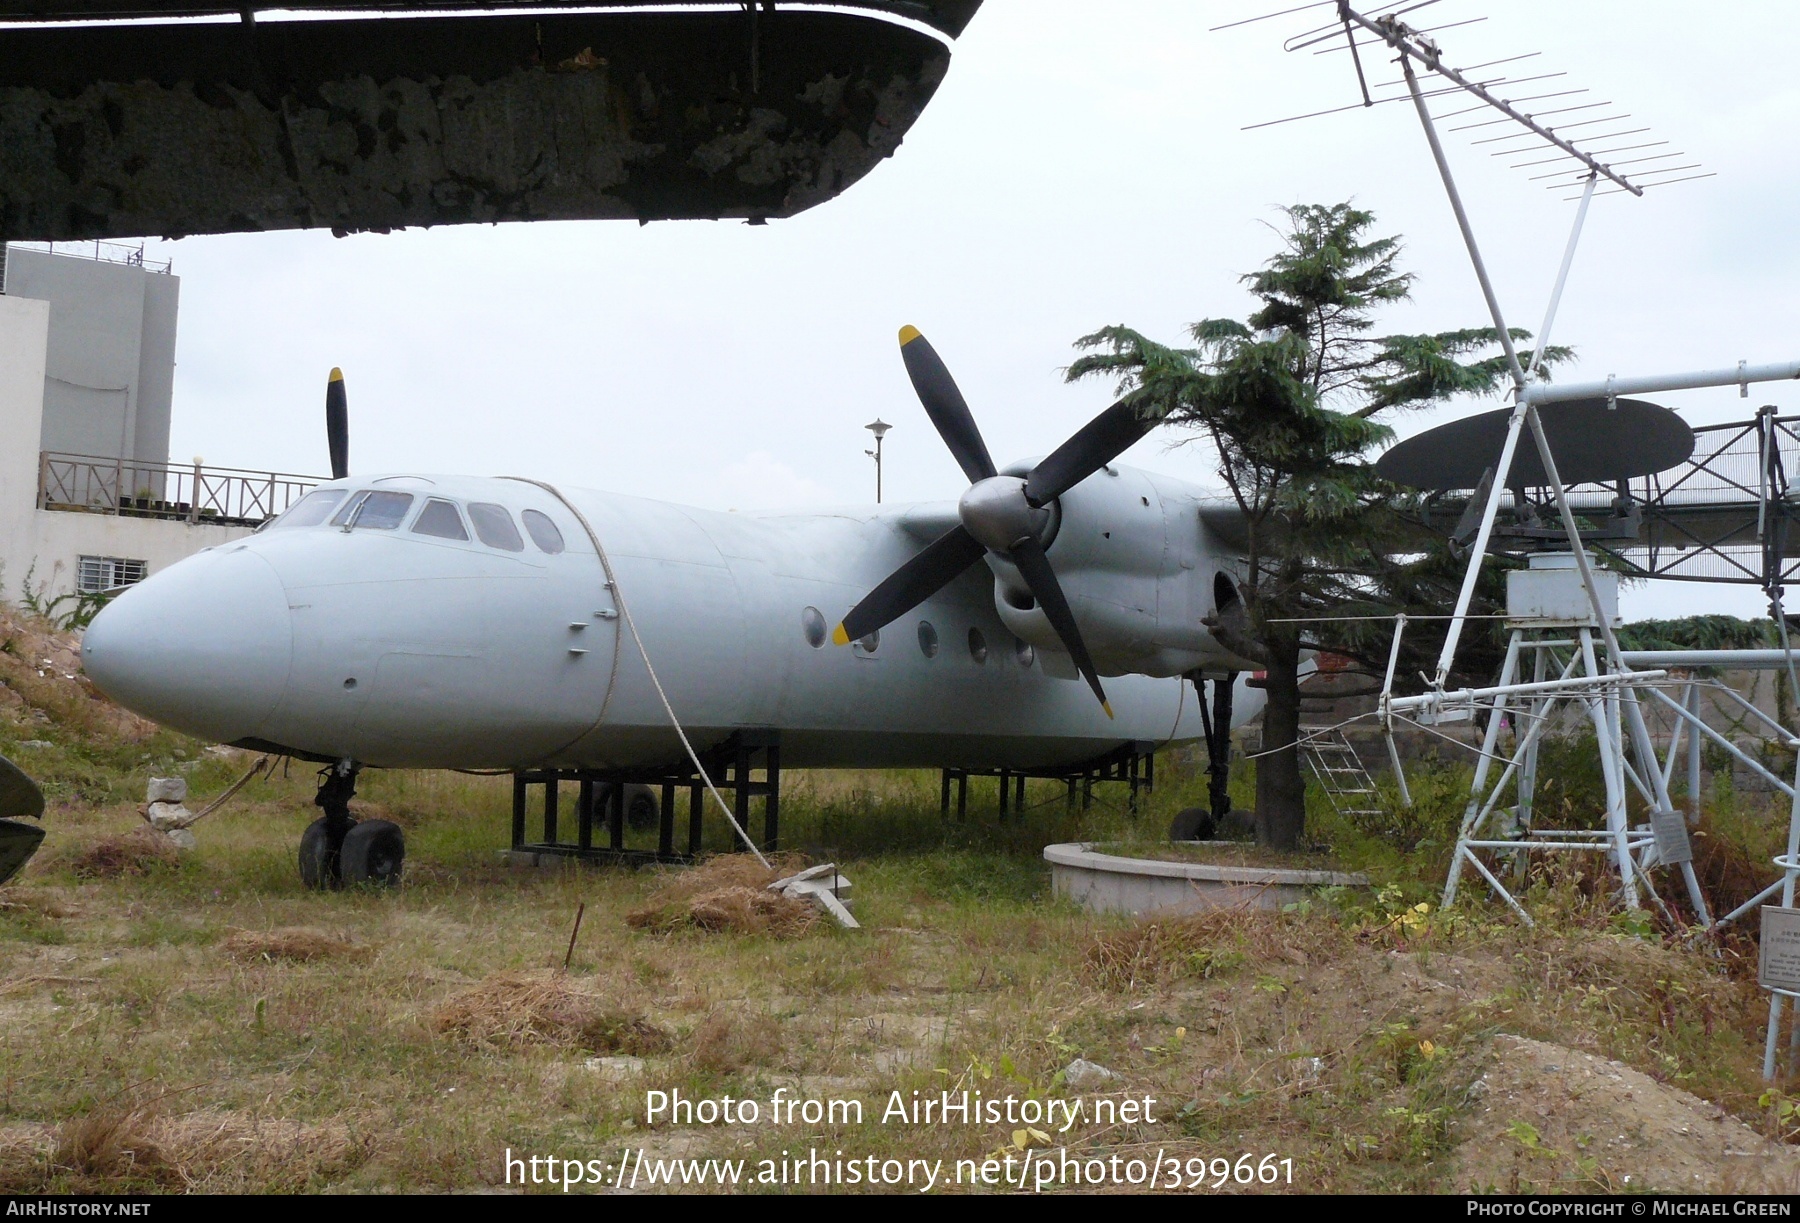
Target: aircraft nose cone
204	646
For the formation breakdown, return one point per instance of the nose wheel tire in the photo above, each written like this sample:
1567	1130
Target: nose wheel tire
374	852
321	856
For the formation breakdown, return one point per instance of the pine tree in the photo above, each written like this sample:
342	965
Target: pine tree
1292	400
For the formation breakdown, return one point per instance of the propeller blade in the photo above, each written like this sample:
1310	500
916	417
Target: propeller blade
337	425
942	562
1093	446
945	405
1034	567
19	795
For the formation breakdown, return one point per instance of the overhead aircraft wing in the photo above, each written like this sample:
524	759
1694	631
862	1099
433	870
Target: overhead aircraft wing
418	116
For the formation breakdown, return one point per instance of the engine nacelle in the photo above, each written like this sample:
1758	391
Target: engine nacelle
1141	574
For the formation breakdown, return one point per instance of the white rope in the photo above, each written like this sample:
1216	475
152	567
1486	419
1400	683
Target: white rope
618	593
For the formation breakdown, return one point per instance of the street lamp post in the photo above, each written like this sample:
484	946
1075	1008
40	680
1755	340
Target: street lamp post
879	428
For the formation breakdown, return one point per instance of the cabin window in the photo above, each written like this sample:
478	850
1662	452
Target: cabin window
440	519
1024	653
382	511
812	626
977	647
311	509
869	642
494	526
543	532
928	639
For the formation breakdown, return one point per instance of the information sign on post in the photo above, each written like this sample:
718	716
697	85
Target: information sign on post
1778	966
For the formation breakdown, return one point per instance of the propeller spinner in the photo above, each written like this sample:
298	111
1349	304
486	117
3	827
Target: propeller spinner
1005	515
337	425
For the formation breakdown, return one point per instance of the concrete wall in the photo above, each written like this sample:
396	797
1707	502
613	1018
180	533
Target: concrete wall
24	333
110	373
58	539
46	544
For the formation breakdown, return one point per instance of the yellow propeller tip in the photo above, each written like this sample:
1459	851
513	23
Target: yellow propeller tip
839	636
908	334
337	375
1107	705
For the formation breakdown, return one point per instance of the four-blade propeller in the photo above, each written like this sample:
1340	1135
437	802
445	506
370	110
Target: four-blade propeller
1005	515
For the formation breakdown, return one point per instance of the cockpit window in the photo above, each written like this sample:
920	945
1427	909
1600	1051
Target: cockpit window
494	526
439	518
382	511
543	532
311	509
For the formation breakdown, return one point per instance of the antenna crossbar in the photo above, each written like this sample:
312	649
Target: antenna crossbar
1413	46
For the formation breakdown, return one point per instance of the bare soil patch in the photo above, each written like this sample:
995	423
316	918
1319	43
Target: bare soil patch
1546	1117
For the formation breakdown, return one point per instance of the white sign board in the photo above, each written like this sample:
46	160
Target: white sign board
1778	967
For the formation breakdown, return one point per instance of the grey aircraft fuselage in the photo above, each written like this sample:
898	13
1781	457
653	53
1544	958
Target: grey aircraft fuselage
359	626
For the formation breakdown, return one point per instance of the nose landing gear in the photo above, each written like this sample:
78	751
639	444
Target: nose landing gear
338	850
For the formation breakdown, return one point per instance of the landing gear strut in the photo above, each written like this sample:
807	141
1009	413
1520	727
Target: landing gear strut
1203	824
337	849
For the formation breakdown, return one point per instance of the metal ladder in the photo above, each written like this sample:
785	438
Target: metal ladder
1340	773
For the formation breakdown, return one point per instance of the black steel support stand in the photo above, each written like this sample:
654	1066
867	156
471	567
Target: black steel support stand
747	766
1132	763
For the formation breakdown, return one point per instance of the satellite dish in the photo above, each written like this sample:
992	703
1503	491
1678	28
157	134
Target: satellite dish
1592	441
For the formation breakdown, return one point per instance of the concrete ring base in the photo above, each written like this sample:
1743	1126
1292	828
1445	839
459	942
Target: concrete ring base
1105	883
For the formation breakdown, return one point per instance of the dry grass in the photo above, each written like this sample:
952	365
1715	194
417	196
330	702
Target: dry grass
118	1147
41	903
1348	1040
114	1144
517	1008
728	894
300	944
1160	951
137	852
726	1042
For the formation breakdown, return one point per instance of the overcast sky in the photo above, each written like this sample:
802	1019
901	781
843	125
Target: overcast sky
1081	165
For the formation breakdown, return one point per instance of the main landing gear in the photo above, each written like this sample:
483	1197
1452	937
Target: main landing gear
338	850
1217	819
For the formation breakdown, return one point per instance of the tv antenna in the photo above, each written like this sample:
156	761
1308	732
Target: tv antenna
1567	141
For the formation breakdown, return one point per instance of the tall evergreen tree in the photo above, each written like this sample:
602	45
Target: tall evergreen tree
1292	400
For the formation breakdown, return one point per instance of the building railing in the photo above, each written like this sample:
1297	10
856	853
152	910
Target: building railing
128	253
192	493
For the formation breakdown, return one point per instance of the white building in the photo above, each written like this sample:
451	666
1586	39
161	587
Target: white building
88	498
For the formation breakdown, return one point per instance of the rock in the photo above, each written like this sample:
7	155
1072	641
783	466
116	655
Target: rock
166	817
37	743
181	838
1084	1075
167	790
621	1067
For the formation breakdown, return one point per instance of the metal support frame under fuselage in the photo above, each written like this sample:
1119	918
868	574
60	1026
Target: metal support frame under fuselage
733	766
1133	764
